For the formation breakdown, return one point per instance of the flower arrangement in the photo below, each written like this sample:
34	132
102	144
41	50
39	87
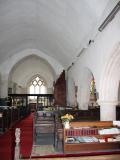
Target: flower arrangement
67	117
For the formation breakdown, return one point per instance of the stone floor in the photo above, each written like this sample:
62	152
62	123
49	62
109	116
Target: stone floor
102	157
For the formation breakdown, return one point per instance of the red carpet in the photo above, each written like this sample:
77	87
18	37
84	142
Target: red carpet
26	127
7	141
6	146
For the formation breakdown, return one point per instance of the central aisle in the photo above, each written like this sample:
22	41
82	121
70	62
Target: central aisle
26	137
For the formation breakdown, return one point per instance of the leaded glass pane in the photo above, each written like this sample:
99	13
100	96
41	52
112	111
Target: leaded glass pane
34	83
37	79
37	86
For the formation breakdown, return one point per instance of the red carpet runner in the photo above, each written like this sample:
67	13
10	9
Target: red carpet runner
6	146
7	141
26	127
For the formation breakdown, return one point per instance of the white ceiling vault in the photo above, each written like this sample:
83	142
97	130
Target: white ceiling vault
58	28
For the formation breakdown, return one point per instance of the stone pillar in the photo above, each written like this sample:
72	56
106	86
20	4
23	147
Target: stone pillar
4	86
108	111
84	98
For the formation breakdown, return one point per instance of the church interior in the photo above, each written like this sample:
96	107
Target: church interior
59	100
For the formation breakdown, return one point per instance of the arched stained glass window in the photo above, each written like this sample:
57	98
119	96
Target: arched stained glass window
92	87
93	91
37	86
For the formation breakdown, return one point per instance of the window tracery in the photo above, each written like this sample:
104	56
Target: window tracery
37	86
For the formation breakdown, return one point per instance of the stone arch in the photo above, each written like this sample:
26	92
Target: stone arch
109	82
7	65
11	61
24	73
84	88
109	85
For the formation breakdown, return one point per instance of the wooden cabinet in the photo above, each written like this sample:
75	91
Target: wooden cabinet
91	136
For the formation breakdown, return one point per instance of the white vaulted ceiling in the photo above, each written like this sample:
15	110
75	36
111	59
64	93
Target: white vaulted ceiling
58	28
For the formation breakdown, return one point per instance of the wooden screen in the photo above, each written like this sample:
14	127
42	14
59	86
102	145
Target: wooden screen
60	90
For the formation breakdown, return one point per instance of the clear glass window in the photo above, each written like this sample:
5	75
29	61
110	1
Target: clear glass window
37	86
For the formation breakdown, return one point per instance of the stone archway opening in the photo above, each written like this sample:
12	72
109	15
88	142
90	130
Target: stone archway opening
26	69
109	85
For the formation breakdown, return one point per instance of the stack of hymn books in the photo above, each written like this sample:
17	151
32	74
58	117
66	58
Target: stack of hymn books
82	139
86	139
109	131
81	131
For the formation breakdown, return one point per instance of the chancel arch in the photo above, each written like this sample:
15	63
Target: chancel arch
27	68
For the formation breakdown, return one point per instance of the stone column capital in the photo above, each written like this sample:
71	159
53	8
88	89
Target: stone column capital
107	103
